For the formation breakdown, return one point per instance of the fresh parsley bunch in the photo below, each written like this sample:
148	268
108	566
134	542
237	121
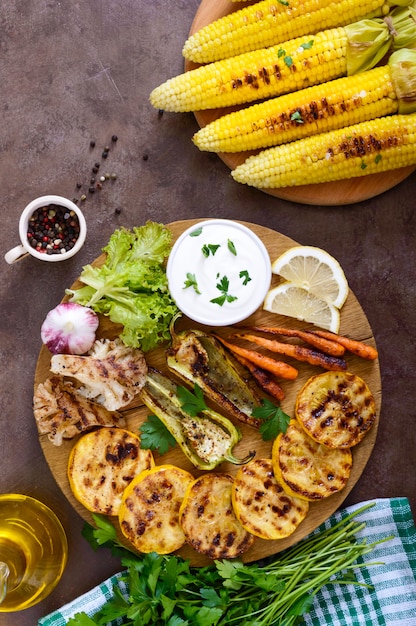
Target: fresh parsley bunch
164	590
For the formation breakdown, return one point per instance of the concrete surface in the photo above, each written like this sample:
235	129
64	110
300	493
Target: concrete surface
81	71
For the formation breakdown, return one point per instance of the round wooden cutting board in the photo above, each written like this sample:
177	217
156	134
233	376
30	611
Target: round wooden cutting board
353	324
328	194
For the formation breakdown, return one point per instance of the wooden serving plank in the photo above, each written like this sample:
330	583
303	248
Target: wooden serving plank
353	323
336	193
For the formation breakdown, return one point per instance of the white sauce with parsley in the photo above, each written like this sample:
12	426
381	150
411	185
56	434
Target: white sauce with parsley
219	272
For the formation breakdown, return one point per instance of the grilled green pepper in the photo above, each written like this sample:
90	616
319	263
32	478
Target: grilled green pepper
198	358
206	439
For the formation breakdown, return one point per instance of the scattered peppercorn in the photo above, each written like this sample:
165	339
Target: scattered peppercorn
114	138
117	211
53	229
83	197
79	185
160	113
99	186
91	189
113	176
145	157
104	154
92	144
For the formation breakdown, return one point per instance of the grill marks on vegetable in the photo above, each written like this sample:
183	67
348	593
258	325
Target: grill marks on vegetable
336	409
209	521
307	114
362	145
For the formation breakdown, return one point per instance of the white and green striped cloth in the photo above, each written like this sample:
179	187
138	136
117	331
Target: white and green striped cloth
390	602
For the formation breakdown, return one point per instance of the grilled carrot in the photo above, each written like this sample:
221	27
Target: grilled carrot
262	378
278	368
325	345
313	357
352	345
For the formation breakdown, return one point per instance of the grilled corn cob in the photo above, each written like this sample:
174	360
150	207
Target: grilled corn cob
379	145
280	69
270	22
342	102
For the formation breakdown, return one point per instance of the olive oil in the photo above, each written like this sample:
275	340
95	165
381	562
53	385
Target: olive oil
34	547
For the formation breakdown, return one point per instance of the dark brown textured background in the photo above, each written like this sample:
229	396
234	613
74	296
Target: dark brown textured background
73	73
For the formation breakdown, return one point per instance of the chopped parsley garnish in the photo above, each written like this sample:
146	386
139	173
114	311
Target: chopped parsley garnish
274	419
191	282
245	277
192	402
209	248
231	247
307	45
223	286
296	117
155	436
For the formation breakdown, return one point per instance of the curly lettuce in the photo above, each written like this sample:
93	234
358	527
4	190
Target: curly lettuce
131	286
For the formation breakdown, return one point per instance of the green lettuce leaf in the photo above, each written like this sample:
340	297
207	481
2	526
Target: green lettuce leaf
131	286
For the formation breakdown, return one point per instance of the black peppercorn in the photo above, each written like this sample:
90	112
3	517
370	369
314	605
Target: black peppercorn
53	229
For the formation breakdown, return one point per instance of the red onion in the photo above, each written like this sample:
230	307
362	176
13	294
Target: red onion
69	328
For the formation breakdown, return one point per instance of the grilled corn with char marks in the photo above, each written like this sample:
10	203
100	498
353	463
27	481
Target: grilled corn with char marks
342	102
256	75
335	104
296	64
269	22
369	147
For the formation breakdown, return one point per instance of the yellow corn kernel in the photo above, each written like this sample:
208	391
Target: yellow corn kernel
270	22
310	111
370	147
256	75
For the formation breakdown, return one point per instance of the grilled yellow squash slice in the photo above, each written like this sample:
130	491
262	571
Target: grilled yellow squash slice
208	519
306	468
149	512
101	464
336	409
261	504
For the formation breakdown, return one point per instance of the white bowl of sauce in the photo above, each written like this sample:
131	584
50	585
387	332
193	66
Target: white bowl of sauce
219	272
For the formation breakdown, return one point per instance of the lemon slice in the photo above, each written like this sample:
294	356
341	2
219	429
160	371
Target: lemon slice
288	299
316	271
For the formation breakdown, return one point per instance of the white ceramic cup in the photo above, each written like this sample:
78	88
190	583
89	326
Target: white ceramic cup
24	248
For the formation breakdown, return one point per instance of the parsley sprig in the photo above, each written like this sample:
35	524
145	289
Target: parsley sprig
274	419
191	281
164	590
223	286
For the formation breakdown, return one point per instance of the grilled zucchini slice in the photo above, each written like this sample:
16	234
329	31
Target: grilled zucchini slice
208	519
149	512
306	468
101	465
336	409
262	505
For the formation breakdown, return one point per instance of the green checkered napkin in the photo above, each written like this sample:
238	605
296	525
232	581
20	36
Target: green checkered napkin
391	601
